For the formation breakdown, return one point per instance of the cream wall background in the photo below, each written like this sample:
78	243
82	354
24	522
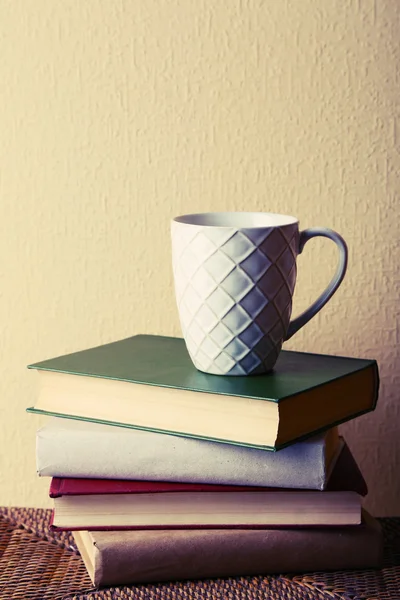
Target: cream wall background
116	116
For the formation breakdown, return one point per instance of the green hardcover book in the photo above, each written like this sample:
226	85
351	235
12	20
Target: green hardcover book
149	382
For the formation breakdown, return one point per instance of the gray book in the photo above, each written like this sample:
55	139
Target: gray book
71	448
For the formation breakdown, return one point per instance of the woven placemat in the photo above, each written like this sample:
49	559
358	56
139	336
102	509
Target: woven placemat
41	565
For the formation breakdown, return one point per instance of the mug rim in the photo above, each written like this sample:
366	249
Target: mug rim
190	219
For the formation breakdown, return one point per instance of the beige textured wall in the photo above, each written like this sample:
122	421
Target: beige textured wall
117	115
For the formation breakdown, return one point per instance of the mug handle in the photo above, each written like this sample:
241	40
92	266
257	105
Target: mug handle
337	279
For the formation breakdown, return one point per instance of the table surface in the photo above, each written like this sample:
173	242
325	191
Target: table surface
38	564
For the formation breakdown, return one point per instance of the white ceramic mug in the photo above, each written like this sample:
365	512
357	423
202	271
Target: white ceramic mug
234	277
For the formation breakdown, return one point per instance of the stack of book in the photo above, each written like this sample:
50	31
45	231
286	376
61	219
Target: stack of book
163	472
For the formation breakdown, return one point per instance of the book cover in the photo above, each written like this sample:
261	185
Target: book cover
154	385
128	557
64	448
164	361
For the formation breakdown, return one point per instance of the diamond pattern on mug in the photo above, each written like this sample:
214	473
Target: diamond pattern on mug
273	245
237	319
203	283
202	246
236	370
191	300
218	266
205	318
236	289
237	349
221	335
286	261
269	316
220	302
290	278
201	359
257	236
210	348
282	299
186	235
250	362
237	284
189	263
238	247
277	334
255	265
271	280
264	346
224	363
251	335
290	235
196	333
254	302
271	357
218	236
